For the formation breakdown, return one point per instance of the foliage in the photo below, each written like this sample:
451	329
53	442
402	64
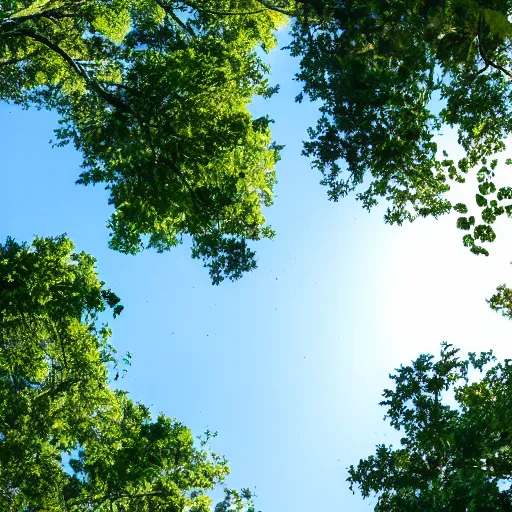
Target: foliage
501	301
154	94
379	69
67	441
456	451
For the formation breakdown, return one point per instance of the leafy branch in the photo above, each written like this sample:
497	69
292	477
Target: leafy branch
216	12
76	67
484	55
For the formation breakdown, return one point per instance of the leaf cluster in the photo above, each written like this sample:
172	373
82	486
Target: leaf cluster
379	70
154	94
455	454
67	440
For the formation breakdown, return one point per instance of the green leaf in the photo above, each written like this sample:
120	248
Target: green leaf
461	208
498	23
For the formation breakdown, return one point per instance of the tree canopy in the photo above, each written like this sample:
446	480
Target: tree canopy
67	440
380	70
154	94
456	451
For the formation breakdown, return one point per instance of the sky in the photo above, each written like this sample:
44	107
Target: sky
289	363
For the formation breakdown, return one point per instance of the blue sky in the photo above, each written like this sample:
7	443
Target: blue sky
287	364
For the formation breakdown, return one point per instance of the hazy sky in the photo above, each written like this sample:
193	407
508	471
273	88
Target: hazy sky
287	364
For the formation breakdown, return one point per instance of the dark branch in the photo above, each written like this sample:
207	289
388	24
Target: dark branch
169	11
271	7
215	12
77	68
483	70
484	56
52	14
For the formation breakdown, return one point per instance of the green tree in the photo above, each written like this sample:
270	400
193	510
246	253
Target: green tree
456	451
501	301
68	441
379	69
154	94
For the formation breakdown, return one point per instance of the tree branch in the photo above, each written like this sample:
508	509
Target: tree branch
215	12
271	7
77	68
53	13
484	56
169	11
